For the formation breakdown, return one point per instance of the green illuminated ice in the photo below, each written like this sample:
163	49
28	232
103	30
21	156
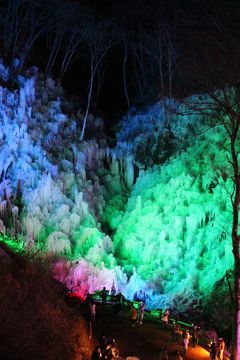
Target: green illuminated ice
176	231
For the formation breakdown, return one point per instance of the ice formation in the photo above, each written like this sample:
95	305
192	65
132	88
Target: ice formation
175	230
170	227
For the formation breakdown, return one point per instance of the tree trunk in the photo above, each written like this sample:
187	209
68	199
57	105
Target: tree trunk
124	78
88	103
235	353
236	243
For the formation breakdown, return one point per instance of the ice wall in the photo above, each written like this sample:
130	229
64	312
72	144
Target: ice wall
65	183
176	229
171	239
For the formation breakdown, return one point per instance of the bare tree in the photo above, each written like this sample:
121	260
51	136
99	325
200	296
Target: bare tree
159	46
54	43
100	42
215	53
63	24
78	27
125	56
71	48
222	108
101	70
23	23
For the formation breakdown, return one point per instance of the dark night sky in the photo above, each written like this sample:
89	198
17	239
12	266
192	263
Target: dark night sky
135	27
112	101
128	14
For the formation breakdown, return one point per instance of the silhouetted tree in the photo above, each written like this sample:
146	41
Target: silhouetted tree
100	41
215	53
22	23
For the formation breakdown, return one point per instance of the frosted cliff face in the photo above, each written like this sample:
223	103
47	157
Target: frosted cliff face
65	184
175	232
171	237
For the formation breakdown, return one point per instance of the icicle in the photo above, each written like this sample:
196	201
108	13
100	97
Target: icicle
114	164
2	227
22	105
3	207
129	173
33	226
107	156
22	100
15	211
4	71
29	89
1	95
138	205
59	243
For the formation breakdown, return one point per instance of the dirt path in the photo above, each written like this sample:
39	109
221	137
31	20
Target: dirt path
145	341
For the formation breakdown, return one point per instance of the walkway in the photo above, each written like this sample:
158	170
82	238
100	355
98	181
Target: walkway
145	341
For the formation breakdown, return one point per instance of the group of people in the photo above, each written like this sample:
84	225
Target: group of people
184	335
95	312
165	317
193	333
217	349
164	355
137	314
106	350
